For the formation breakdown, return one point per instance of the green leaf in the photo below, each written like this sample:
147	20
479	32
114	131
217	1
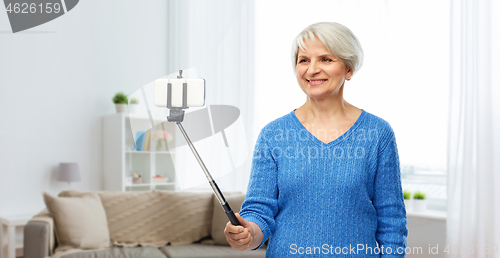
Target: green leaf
120	98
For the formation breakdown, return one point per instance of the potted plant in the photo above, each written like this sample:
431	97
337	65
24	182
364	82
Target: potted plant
121	101
419	202
407	199
133	105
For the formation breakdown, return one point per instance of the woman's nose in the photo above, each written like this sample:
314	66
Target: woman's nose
313	68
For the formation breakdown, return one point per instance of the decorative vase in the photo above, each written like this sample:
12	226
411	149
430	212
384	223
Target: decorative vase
133	108
419	205
121	108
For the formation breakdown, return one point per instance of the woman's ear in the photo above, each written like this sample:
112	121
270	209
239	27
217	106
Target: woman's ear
348	75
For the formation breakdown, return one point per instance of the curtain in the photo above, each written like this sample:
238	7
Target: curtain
216	38
473	227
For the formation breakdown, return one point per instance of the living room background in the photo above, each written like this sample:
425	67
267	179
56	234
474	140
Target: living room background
58	80
65	77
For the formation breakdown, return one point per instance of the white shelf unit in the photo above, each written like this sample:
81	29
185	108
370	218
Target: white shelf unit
120	159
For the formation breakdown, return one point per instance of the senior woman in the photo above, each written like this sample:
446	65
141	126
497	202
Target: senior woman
325	178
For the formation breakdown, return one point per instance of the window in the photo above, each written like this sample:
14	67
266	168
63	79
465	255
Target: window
404	78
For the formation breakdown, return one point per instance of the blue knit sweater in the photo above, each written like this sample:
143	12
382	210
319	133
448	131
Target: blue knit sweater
315	199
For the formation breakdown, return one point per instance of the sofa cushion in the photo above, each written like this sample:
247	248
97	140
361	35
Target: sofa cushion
220	219
118	252
80	222
208	251
155	218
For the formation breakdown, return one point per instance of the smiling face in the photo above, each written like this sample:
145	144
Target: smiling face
319	73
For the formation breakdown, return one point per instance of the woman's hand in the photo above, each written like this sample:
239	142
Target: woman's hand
243	237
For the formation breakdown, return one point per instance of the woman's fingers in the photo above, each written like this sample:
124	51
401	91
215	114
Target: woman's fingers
240	244
236	232
231	229
245	225
239	237
242	221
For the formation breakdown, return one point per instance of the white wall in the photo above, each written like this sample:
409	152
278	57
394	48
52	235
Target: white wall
57	80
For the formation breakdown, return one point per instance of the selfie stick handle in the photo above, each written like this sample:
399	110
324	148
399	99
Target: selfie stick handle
225	205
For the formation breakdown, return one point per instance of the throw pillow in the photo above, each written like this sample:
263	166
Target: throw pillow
219	219
79	222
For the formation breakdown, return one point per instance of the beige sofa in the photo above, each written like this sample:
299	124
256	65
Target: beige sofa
155	224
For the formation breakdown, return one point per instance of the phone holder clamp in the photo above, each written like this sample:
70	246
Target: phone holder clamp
176	114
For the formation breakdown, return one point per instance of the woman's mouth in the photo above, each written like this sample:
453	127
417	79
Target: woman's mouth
316	82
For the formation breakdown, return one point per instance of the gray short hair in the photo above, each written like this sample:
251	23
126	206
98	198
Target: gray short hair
338	39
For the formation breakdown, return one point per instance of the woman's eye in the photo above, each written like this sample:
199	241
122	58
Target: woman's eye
327	60
302	61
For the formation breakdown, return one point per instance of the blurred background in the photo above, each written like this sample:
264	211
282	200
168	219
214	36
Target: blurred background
429	70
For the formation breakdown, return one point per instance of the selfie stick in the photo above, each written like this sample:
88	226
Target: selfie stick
177	116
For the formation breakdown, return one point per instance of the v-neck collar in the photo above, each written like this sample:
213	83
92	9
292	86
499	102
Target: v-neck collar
339	139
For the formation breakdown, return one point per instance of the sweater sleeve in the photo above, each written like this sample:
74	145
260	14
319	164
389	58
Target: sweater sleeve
388	199
261	201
